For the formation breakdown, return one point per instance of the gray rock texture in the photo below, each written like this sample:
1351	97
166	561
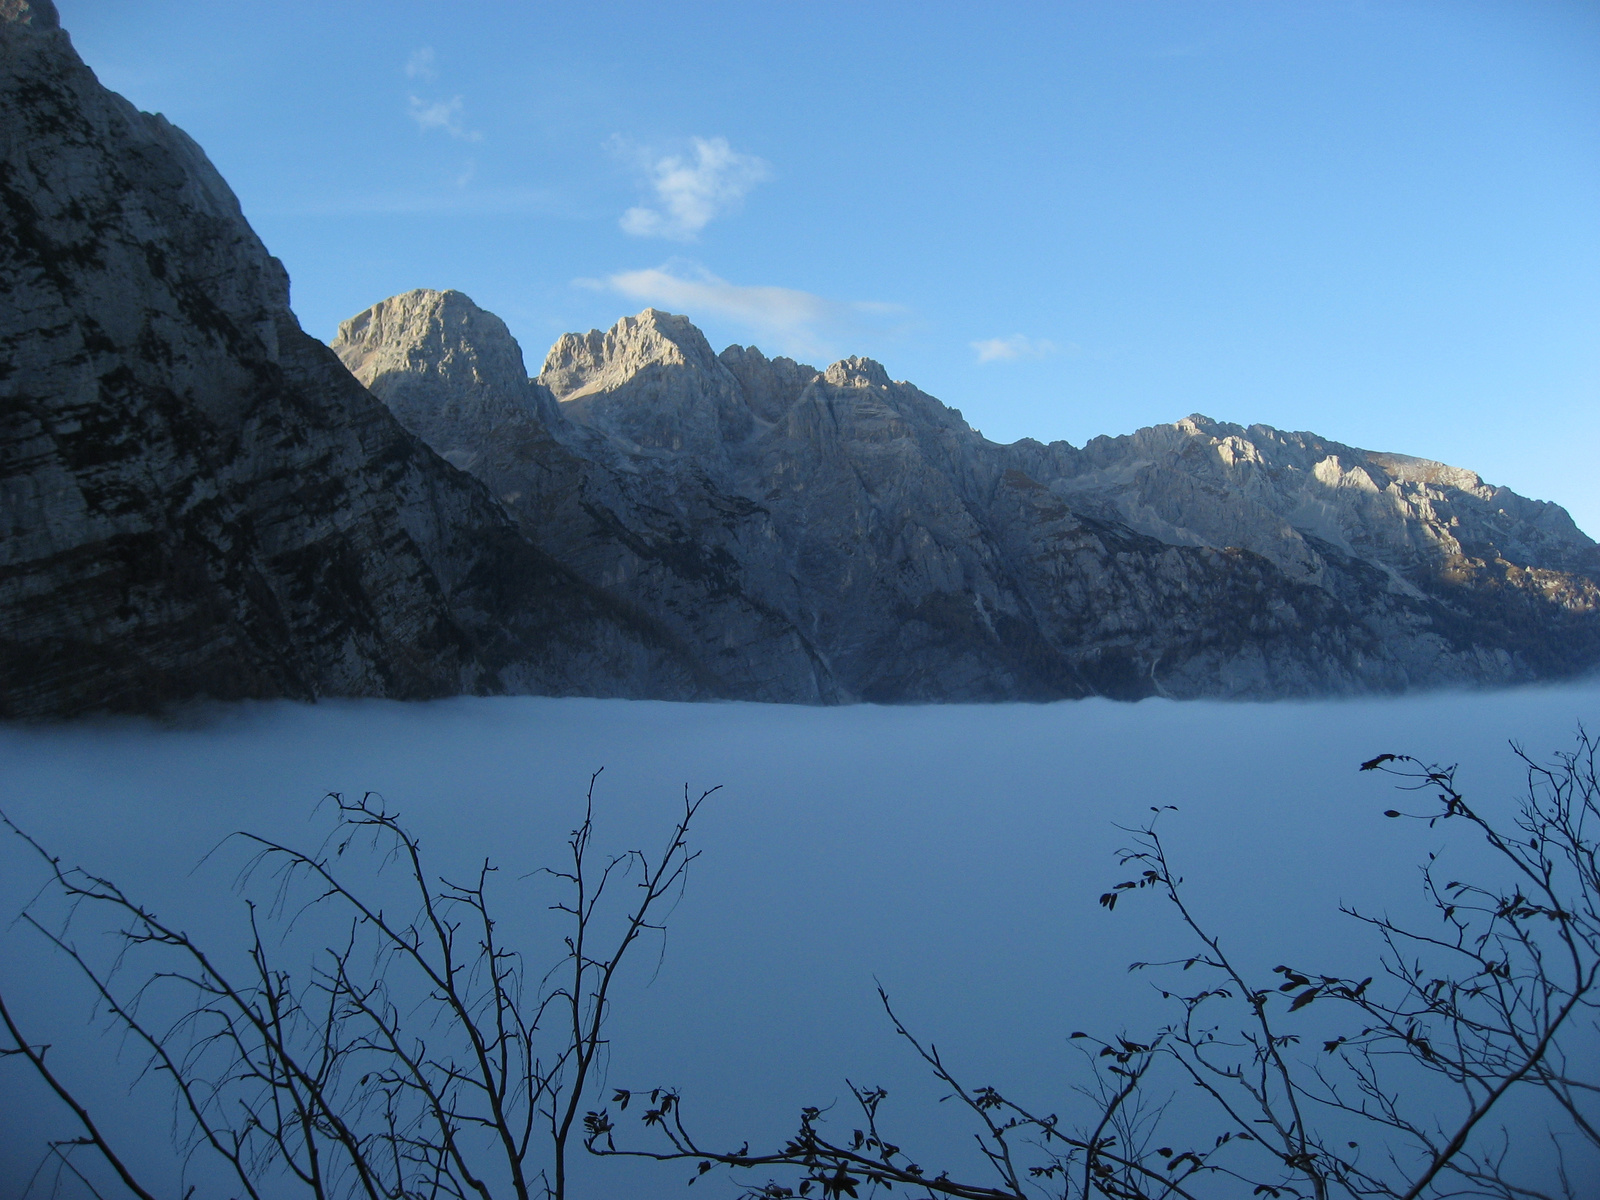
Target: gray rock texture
196	498
822	535
641	520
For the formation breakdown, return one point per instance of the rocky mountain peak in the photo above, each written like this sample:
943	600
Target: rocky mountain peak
770	385
442	332
581	364
857	372
41	14
651	381
449	371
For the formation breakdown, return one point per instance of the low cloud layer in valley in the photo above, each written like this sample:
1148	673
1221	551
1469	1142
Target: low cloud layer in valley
953	853
930	685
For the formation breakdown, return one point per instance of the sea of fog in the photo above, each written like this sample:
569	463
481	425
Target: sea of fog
953	854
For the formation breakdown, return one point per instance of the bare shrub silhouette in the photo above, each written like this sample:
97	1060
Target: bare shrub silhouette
411	1056
418	1056
1497	997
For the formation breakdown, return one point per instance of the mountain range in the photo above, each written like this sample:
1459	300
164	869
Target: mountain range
198	499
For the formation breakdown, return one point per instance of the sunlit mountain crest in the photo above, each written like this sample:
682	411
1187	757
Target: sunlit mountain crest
201	500
836	534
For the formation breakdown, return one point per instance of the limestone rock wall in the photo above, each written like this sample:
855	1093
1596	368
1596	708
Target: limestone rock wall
904	557
197	497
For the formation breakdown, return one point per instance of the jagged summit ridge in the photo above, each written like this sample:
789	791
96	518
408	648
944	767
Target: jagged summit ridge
199	499
770	386
581	364
652	382
1280	492
912	559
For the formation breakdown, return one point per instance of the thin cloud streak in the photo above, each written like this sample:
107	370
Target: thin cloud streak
796	322
1009	349
421	65
448	115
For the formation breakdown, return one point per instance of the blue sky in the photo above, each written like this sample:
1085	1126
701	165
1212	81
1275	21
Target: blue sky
1378	221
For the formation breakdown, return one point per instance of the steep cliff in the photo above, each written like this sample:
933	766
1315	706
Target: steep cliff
197	497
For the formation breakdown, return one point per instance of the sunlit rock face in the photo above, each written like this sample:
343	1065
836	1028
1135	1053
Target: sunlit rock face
196	498
857	539
1277	493
451	372
1462	580
627	511
652	383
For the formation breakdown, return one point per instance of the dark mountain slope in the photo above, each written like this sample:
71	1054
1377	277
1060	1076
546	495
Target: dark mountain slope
197	499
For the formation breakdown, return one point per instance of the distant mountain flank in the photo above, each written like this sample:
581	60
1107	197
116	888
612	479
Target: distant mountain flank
198	499
834	534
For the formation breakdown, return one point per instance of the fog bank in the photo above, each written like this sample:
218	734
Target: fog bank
953	853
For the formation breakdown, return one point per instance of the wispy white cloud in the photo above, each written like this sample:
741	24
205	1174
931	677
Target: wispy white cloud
690	190
791	321
1008	349
448	115
775	308
422	65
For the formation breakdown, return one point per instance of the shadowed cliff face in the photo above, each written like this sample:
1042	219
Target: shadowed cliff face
197	498
911	559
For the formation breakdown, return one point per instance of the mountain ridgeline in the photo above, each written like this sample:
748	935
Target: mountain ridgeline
200	500
833	535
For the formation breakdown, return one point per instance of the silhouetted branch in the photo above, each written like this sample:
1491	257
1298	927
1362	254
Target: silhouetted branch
1486	1002
377	1069
35	1055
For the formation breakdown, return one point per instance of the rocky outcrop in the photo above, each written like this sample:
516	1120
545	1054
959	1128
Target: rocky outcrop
901	556
197	497
631	515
